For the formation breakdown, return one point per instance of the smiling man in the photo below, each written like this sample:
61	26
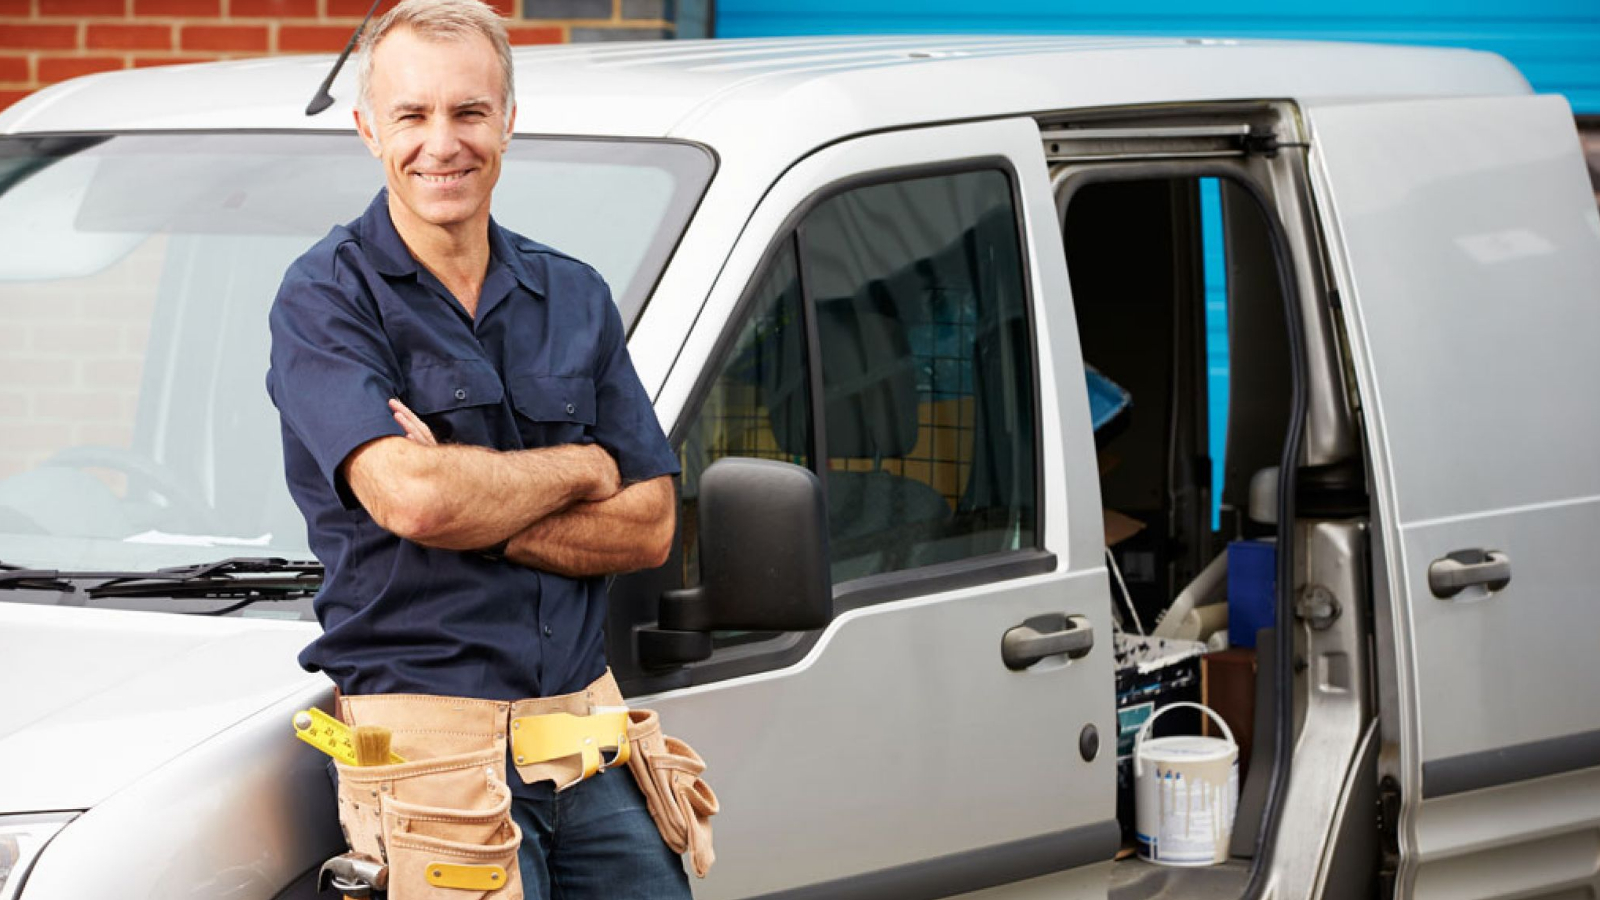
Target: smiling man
467	439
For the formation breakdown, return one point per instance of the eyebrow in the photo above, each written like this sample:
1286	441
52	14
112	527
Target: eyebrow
411	106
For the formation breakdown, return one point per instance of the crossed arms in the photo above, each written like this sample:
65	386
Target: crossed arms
558	509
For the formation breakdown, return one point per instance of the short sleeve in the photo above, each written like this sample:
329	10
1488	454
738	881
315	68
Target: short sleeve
625	421
332	372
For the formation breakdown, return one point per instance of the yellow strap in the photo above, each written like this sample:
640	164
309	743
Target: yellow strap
537	739
331	736
467	878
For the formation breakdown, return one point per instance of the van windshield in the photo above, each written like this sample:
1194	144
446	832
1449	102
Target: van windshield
135	278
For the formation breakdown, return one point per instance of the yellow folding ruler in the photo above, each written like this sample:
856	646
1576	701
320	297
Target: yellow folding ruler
330	735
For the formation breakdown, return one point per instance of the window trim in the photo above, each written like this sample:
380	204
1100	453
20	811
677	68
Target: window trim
787	648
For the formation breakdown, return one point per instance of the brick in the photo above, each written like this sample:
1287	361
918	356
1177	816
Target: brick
506	8
32	372
189	9
523	35
18	8
313	38
592	35
39	37
569	9
272	9
9	97
76	338
78	406
13	404
83	7
128	37
60	68
102	372
150	62
104	434
37	438
14	70
223	38
660	10
355	9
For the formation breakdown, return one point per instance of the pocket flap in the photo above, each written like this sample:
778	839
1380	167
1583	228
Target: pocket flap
452	384
554	398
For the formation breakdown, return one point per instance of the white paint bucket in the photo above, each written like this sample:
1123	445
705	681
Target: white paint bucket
1186	789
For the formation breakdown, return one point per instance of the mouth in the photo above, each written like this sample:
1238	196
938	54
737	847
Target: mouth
443	178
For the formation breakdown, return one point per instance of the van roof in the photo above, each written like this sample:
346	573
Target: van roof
800	91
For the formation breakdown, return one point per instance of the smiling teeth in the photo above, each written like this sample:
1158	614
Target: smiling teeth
441	179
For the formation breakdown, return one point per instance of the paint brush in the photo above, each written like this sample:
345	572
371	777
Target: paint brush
372	745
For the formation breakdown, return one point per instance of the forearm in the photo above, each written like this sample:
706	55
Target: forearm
630	531
459	497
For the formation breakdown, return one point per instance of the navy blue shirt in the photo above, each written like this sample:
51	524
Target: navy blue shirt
356	322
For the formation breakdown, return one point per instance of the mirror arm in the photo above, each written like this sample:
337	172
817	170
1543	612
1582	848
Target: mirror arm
685	609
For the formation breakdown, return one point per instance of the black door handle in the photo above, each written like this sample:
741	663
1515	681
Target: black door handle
1457	571
1047	635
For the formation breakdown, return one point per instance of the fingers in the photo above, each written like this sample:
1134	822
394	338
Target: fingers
416	429
608	481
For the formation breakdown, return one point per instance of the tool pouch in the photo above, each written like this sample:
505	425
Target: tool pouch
441	820
680	801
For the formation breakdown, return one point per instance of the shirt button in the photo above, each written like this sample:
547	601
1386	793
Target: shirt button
571	409
461	393
548	631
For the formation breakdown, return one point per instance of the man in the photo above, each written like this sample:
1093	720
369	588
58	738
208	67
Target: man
468	441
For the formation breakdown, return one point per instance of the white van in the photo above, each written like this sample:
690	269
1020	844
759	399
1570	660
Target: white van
890	261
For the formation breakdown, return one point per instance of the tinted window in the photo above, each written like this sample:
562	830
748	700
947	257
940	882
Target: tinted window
760	403
921	312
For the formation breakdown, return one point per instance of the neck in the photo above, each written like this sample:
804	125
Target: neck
456	254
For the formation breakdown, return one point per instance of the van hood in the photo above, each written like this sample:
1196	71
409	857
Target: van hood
95	699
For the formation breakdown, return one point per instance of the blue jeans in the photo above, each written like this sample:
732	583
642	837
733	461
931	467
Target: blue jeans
594	841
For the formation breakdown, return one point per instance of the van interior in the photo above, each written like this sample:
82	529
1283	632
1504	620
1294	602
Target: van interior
1181	315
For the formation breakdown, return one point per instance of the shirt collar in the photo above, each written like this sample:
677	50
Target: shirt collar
389	255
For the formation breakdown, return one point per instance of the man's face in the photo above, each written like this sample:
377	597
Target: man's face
439	126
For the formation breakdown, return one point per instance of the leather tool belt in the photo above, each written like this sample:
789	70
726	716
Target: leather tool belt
441	820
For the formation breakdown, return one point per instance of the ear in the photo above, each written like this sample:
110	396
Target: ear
511	124
364	128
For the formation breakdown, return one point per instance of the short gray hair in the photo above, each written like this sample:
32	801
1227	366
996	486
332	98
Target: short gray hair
440	20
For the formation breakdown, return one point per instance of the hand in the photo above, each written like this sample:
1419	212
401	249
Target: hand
607	480
416	429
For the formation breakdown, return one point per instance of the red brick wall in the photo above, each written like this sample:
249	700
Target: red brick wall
45	41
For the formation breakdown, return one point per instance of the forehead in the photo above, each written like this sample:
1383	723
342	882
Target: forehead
408	64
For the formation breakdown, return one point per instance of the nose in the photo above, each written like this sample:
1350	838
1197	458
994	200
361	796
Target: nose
442	141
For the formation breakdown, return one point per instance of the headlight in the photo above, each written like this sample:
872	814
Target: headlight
21	839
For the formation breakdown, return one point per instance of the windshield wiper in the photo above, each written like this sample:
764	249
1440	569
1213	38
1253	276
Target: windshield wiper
248	579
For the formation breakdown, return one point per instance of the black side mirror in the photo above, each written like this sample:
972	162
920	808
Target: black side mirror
763	561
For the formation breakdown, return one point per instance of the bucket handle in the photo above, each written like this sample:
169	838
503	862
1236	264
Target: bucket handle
1144	730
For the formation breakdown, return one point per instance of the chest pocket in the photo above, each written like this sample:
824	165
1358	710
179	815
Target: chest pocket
461	400
553	409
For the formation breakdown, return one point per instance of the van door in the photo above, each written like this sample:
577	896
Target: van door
881	321
1466	248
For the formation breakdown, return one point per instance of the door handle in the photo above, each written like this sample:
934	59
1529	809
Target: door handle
1457	571
1048	635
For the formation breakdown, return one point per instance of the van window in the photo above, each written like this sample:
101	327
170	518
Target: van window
917	293
917	288
759	404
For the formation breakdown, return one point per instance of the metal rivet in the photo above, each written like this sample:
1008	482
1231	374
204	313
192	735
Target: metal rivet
571	409
588	740
494	876
519	760
461	393
437	873
515	725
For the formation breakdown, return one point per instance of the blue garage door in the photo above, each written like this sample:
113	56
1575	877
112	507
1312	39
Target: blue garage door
1556	43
